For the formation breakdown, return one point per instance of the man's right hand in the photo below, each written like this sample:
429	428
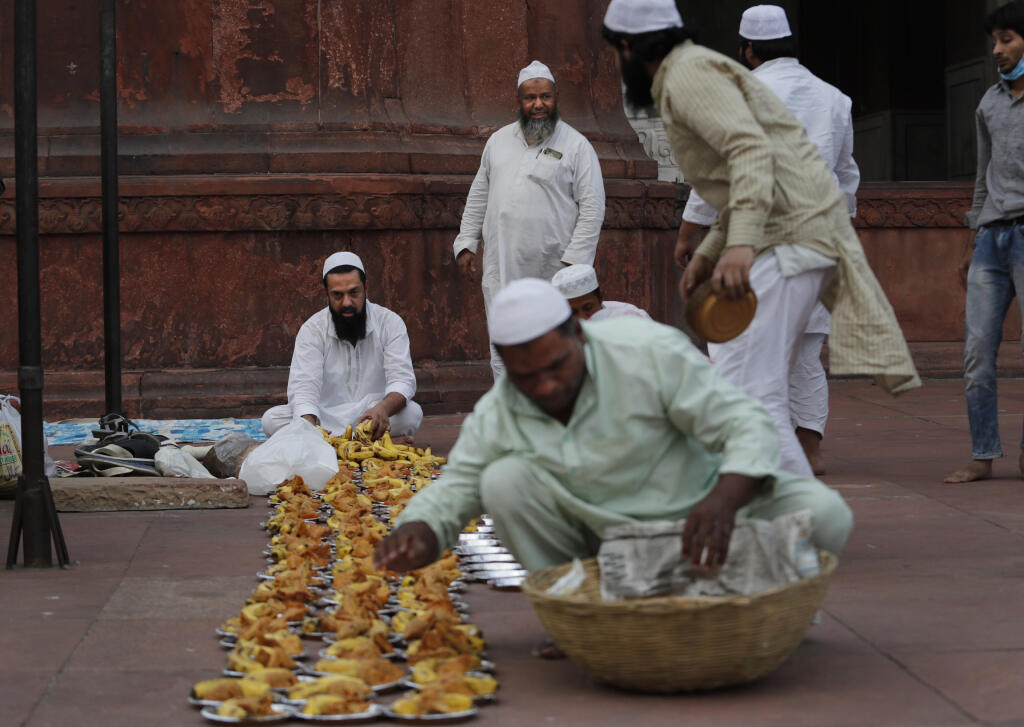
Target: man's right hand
687	240
467	264
699	270
411	546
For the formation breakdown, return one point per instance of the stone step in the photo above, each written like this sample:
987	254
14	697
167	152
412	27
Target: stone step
101	494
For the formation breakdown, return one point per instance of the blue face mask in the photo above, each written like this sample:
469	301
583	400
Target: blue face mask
1015	73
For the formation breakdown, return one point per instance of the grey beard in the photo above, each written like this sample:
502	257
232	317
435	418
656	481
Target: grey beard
538	130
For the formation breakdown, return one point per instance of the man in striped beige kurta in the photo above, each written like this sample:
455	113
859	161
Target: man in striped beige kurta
783	229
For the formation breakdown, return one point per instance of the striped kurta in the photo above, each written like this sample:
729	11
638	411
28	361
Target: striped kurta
745	153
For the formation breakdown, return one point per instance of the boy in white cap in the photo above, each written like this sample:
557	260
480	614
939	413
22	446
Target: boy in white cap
578	285
537	201
768	48
351	362
783	230
600	425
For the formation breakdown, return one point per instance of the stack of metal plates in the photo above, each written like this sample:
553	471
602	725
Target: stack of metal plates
482	557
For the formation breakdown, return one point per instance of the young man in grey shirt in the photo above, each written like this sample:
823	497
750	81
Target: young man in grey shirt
996	272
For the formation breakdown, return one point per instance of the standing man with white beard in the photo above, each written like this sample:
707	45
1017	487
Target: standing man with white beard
537	202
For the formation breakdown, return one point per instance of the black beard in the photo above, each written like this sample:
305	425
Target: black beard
538	130
349	329
638	82
744	61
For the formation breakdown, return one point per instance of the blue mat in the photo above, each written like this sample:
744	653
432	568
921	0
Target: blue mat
180	430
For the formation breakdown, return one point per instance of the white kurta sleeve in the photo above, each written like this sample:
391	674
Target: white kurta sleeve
471	229
398	372
306	375
699	212
588	191
847	172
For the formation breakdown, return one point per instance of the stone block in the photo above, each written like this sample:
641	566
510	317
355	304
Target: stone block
98	494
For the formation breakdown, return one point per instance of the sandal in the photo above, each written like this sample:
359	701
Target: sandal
110	460
112	424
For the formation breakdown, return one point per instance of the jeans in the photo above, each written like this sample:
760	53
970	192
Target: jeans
996	275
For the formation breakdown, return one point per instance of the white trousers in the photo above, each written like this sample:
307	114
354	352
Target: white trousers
403	424
760	361
808	385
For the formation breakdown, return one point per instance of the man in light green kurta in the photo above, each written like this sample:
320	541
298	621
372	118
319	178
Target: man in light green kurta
642	428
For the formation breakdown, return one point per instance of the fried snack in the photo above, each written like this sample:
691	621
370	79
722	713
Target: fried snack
274	677
360	647
472	685
446	640
324	704
247	657
431	700
416	627
372	671
219	690
348	687
428	670
246	707
283	591
282	639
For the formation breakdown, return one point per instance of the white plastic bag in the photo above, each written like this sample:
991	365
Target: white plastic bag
173	462
11	465
297	448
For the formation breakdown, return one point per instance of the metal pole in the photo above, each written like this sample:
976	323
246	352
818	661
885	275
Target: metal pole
33	507
111	262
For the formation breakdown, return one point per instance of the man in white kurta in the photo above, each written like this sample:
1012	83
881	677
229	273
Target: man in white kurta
537	201
578	285
336	382
824	111
595	425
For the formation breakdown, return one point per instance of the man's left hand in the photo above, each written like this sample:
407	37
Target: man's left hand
710	523
379	417
732	273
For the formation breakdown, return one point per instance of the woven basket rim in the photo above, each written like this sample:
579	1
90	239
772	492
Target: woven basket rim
828	565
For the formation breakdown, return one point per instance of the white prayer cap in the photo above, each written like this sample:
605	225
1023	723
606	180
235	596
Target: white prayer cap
642	16
343	258
575	280
764	22
526	309
534	70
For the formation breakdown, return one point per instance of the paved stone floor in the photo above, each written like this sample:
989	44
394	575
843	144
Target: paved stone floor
922	624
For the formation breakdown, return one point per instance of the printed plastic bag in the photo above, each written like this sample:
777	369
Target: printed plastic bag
10	446
10	443
297	448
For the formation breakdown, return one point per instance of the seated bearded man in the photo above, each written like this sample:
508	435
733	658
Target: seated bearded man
351	362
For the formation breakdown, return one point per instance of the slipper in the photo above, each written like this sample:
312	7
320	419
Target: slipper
110	456
113	423
106	466
138	445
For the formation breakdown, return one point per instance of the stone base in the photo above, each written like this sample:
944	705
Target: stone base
100	494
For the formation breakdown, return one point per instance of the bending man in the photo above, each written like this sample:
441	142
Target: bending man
603	424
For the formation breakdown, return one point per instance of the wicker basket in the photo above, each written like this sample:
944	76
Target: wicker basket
676	644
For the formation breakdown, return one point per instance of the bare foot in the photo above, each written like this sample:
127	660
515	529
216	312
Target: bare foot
810	441
978	469
546	649
402	440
